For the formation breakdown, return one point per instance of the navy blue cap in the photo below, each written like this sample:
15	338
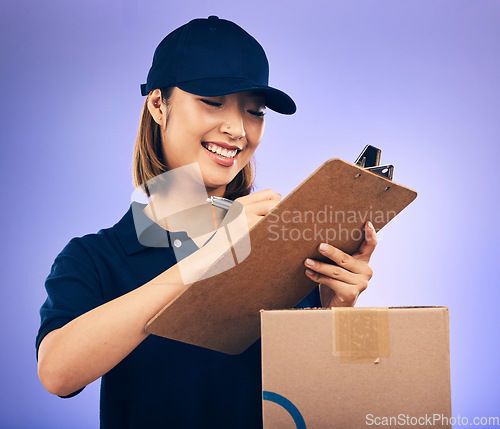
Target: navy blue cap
211	57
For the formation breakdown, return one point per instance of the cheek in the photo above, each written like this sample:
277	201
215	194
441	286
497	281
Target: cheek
184	131
255	132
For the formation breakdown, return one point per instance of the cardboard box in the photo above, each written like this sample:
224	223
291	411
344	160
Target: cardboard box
356	368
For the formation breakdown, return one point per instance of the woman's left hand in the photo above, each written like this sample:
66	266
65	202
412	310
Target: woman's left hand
341	284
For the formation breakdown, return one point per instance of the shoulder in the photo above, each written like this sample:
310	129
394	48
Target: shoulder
84	249
95	250
115	237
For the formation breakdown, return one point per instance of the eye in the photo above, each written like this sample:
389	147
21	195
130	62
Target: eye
259	113
210	102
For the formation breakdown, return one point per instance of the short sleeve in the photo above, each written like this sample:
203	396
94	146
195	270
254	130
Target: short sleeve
73	288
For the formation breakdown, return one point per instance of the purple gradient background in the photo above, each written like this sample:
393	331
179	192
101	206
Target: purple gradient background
420	79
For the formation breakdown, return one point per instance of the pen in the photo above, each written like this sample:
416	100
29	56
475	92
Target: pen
222	203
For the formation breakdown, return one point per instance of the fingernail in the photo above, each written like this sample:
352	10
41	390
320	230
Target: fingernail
309	272
323	247
371	225
277	197
309	262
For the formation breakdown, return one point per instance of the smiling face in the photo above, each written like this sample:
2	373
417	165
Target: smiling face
220	133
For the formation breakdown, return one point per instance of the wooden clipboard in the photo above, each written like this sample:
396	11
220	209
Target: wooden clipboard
222	312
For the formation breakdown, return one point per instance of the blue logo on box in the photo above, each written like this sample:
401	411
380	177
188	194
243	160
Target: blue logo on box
288	406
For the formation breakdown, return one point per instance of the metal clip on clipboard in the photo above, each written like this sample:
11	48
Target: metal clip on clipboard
369	159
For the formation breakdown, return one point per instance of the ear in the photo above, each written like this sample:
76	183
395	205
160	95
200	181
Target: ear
157	109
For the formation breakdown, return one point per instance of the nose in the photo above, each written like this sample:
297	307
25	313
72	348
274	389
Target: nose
232	124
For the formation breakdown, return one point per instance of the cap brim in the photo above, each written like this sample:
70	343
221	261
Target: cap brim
211	87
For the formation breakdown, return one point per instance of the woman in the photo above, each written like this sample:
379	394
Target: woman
206	96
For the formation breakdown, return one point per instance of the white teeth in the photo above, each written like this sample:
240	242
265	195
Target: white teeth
221	151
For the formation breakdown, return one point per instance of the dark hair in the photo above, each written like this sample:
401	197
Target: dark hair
149	162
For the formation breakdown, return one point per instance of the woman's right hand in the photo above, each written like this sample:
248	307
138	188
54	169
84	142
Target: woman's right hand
258	204
232	232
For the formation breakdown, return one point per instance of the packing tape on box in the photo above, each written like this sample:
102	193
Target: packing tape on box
361	334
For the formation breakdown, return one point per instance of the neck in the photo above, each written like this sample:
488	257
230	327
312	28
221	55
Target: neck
182	206
216	192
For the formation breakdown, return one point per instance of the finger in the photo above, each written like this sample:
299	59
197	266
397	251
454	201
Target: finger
347	294
266	194
368	245
332	271
342	259
261	208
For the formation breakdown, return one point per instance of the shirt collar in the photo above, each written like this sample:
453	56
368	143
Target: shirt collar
137	232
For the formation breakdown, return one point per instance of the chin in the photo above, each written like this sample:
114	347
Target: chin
219	181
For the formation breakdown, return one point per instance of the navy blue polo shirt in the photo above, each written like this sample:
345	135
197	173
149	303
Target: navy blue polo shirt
162	383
